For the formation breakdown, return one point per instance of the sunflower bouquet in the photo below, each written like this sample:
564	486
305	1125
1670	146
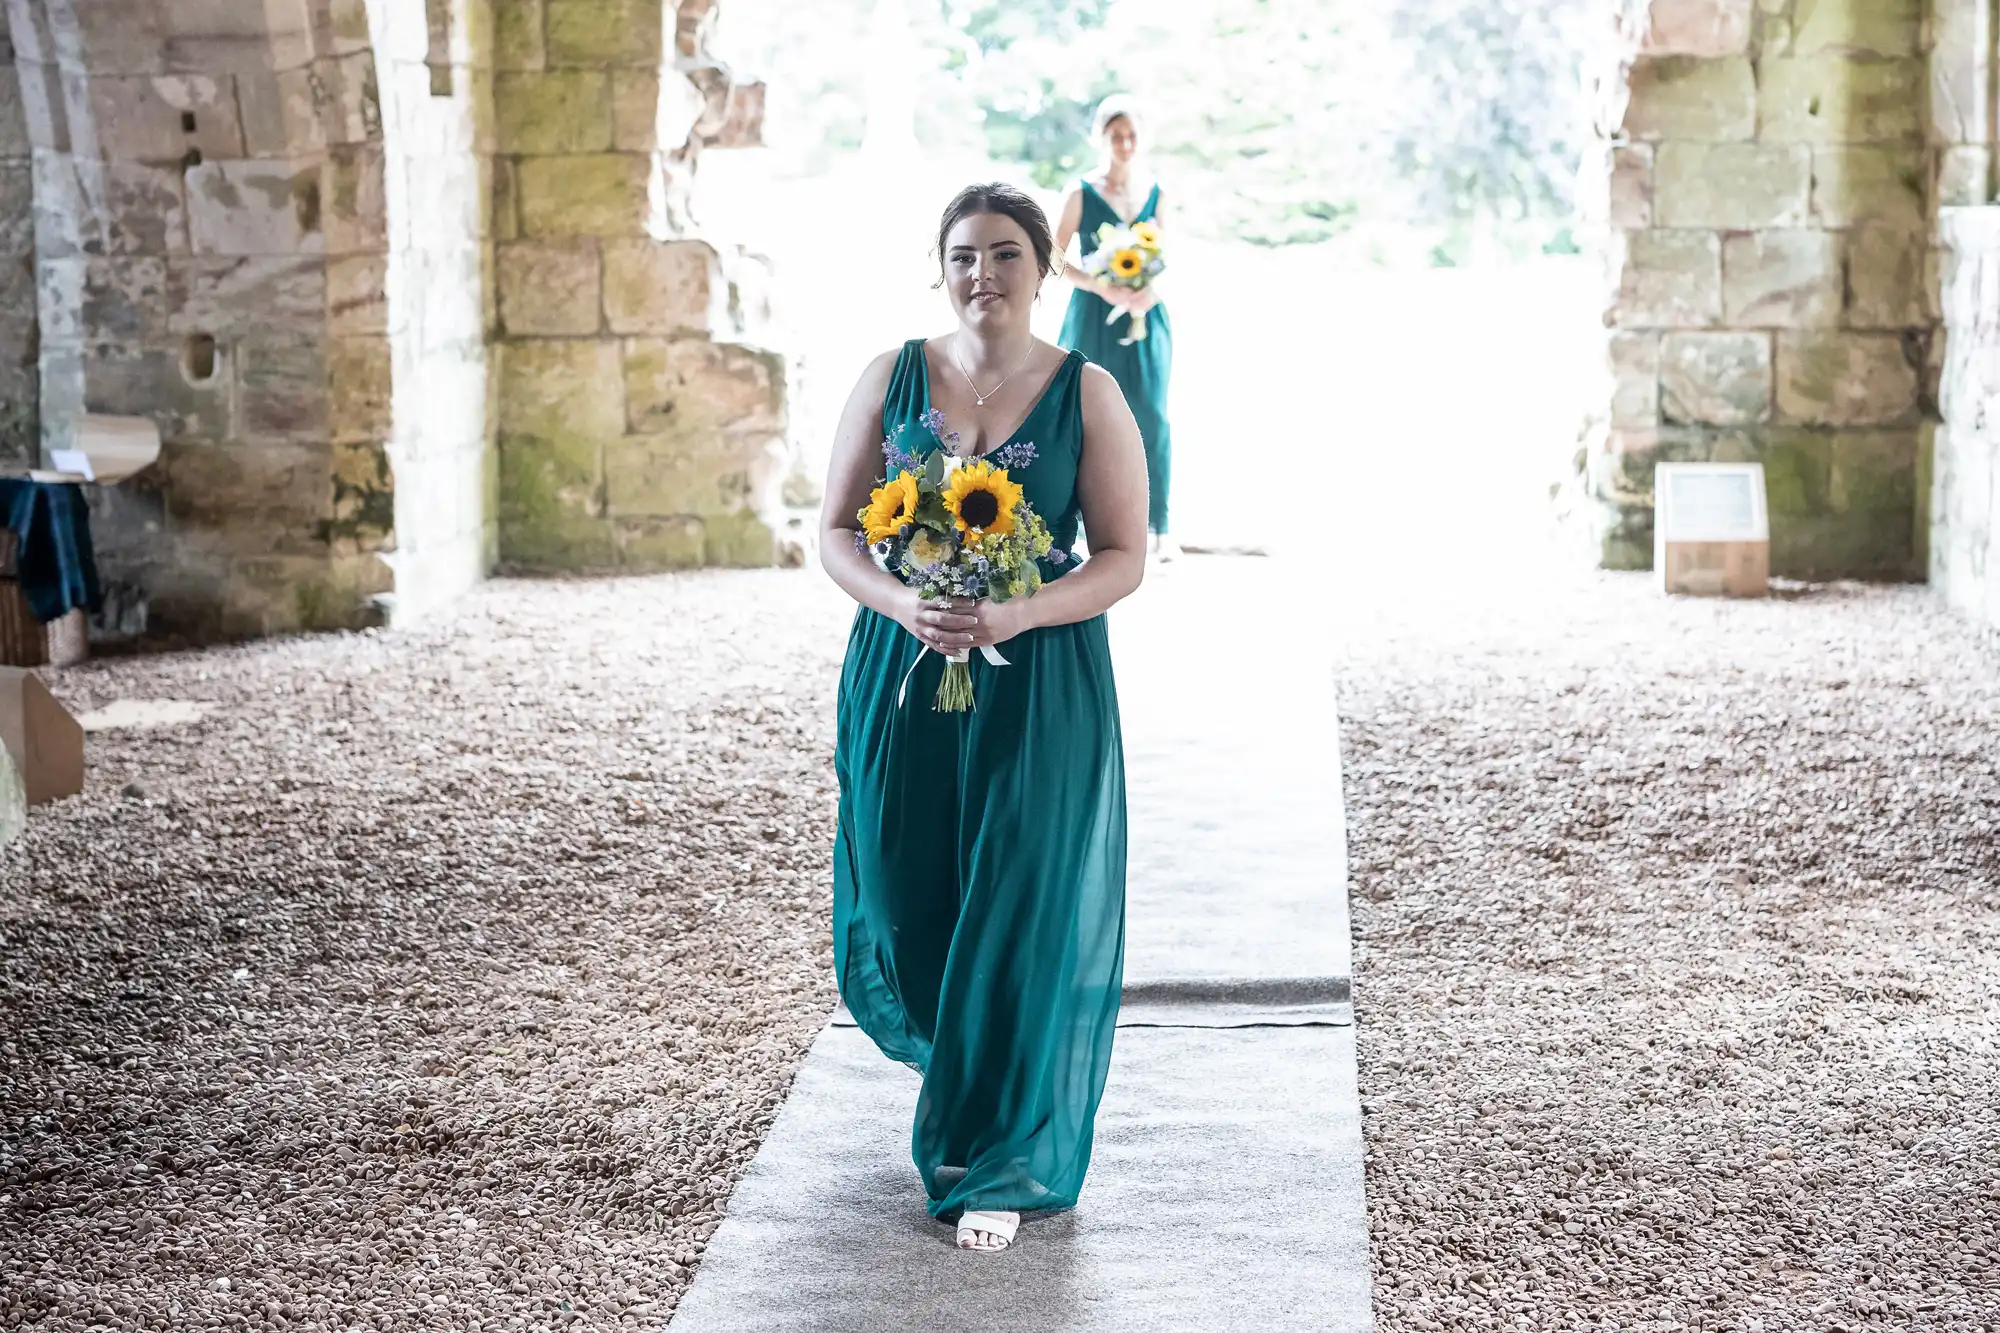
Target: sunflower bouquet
951	526
1127	257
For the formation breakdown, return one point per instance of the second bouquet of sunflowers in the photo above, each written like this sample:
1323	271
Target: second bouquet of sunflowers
958	527
1127	257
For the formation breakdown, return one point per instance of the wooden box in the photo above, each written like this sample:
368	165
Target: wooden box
26	641
44	741
1711	532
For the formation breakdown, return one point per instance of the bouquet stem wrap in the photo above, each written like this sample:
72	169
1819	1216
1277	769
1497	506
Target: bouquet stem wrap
1137	333
955	688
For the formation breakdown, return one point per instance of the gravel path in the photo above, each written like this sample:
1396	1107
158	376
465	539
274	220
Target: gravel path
432	981
1678	959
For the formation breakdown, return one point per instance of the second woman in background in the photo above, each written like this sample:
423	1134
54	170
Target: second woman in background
1121	195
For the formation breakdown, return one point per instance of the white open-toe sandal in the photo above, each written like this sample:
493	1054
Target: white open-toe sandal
997	1229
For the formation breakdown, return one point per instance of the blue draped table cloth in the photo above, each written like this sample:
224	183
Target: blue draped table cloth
53	559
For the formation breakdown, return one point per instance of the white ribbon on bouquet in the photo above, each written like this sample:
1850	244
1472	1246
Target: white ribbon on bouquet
987	651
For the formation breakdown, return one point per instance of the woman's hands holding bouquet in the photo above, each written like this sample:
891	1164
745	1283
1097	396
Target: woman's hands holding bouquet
952	625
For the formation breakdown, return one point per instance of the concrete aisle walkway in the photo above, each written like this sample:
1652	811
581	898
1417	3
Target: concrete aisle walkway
1225	1190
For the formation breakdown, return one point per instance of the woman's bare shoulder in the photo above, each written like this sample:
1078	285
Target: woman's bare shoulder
880	369
1100	391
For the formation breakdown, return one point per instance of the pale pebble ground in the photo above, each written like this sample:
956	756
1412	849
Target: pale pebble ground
447	980
1678	959
440	980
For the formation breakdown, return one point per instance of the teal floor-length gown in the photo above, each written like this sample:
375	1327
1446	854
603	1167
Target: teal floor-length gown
1142	368
979	862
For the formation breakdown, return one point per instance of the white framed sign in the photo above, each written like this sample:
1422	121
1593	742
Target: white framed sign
1709	502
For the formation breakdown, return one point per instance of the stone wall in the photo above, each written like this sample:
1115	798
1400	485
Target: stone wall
200	166
641	426
19	334
1772	274
431	296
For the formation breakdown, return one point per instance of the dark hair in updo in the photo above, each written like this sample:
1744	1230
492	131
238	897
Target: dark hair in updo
1005	200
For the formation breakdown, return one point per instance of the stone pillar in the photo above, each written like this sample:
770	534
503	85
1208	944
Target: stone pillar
428	303
1770	221
1965	503
20	390
1964	492
640	427
194	165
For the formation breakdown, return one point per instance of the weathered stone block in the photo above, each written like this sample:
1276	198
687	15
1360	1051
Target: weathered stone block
355	200
550	503
661	287
124	300
739	541
1961	71
14	141
1831	99
254	208
1715	379
359	375
562	111
599	195
674	542
1635	369
142	118
1781	279
692	385
742	123
1856	27
301	111
1668	279
1844	379
115	36
281	388
1885	278
1962	176
357	294
340	27
17	209
635	110
235	498
517	35
1632	187
1732	185
550	287
691	471
596	33
363	514
149	383
1677	97
555	390
504	217
1842	503
249	296
1880	185
1698	28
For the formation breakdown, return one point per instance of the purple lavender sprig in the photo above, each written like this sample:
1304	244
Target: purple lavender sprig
894	457
1015	456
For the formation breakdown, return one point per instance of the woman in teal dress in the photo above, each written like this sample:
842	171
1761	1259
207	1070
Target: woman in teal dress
979	858
1143	367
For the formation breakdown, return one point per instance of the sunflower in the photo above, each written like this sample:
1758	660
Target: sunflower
890	506
982	499
1146	234
1127	263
